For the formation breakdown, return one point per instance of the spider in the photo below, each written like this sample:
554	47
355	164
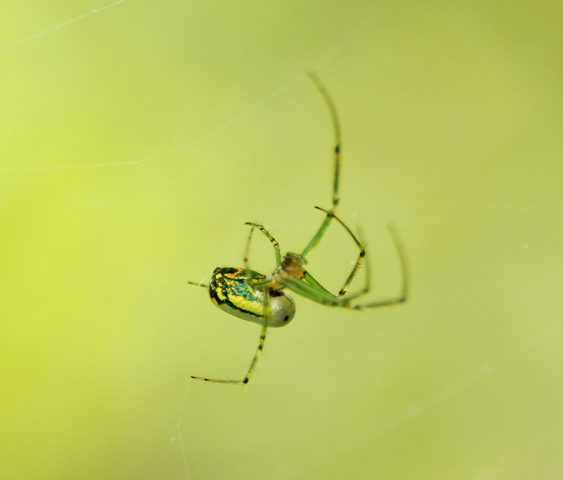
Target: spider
261	299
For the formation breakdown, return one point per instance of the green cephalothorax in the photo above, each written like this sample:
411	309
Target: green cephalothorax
261	299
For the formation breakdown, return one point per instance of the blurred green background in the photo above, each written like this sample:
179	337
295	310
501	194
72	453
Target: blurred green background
137	140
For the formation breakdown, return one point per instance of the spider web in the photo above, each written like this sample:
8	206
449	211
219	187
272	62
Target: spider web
413	407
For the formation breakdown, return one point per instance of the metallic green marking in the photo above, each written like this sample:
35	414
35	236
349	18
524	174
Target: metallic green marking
231	290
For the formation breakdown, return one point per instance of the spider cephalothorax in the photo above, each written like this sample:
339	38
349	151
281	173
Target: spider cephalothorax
291	267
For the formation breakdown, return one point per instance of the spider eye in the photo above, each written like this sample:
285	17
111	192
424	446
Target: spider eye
286	318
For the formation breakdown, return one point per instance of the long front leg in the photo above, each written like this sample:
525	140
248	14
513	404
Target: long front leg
336	181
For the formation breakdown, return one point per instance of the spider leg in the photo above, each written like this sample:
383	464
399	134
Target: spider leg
336	125
272	239
256	355
348	281
247	250
262	339
315	292
319	295
335	185
309	279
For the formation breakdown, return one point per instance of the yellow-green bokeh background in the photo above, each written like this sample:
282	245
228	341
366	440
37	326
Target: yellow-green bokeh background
452	122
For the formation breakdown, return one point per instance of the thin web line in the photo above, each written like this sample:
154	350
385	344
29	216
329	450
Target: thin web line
540	237
33	36
179	421
60	167
351	35
244	113
223	211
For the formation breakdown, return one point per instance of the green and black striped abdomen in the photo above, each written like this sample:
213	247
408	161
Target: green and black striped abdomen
231	291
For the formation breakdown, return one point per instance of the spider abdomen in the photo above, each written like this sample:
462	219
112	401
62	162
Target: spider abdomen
232	292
